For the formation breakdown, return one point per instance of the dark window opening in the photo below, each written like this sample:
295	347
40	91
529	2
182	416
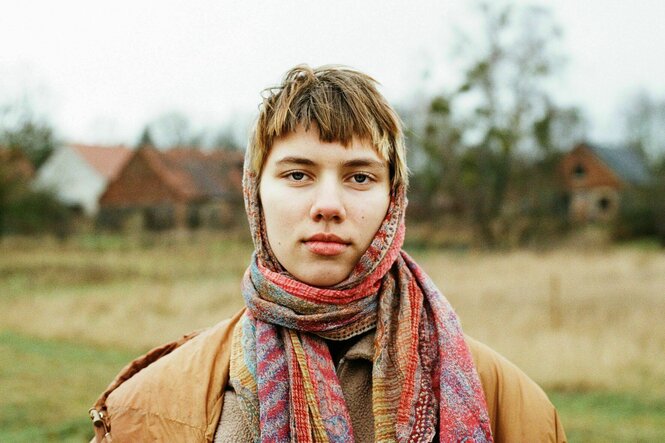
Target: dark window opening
158	218
579	171
193	217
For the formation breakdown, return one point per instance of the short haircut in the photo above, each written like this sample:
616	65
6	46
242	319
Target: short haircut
342	103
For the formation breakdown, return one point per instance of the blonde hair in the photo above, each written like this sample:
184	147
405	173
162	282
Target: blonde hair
342	103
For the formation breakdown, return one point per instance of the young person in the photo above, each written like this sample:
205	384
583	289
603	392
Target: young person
344	337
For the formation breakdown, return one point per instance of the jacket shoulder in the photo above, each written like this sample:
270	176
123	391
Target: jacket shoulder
519	409
174	392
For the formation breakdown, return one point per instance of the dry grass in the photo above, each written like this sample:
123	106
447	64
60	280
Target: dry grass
602	329
129	295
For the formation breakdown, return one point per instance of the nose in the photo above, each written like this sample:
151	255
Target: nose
328	204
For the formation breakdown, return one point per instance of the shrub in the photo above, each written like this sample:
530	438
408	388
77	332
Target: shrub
640	215
25	211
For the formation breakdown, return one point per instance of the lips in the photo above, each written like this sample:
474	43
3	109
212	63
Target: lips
326	244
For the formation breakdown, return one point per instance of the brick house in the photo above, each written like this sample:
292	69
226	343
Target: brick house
595	178
181	187
78	174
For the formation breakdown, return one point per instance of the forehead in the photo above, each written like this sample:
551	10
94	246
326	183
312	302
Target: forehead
307	145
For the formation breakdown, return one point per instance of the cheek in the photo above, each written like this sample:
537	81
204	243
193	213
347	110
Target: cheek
270	210
371	212
270	199
281	213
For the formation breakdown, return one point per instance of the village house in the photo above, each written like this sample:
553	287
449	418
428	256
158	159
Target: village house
178	188
78	174
596	177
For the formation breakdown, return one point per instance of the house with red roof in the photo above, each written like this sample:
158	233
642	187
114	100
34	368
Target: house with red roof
78	174
178	188
596	177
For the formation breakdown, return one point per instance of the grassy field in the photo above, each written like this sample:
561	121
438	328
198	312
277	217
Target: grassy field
588	326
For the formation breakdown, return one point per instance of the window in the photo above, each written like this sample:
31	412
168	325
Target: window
579	171
158	218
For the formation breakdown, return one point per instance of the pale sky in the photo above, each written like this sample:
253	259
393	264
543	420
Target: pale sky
101	70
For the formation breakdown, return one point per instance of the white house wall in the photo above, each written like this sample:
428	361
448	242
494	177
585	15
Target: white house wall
72	179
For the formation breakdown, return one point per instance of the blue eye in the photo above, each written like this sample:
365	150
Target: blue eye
297	175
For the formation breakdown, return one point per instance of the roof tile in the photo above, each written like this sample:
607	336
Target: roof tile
107	160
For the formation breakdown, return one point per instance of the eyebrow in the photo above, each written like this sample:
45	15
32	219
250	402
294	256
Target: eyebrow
295	160
354	163
364	162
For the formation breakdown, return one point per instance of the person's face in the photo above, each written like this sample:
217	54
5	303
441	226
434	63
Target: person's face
322	204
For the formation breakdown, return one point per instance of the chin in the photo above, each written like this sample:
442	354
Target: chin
323	279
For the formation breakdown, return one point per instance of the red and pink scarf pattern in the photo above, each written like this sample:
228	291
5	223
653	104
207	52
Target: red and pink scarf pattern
424	380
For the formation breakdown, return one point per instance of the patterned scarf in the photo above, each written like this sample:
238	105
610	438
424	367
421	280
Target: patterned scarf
282	371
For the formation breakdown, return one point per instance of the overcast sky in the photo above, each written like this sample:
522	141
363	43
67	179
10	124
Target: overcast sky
101	70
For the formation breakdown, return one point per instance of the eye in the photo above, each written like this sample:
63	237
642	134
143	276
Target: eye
360	178
297	175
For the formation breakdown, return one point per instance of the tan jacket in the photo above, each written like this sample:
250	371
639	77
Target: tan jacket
176	393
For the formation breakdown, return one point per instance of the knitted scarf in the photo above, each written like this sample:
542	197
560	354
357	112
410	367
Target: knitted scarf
424	379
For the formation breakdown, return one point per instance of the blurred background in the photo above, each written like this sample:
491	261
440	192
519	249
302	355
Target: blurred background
536	137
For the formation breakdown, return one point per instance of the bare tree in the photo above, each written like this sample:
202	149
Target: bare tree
173	129
644	126
509	61
559	129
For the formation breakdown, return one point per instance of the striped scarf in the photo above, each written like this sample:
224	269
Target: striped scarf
424	379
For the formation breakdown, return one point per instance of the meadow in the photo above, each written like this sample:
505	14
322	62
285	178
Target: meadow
585	323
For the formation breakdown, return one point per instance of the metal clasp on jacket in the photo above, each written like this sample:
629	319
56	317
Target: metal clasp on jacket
99	421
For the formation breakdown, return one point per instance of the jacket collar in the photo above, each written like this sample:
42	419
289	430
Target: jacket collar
363	348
